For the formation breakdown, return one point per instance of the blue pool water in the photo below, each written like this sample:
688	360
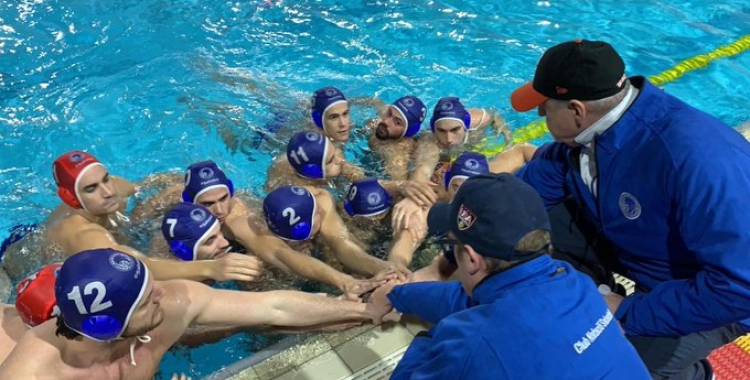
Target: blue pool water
153	85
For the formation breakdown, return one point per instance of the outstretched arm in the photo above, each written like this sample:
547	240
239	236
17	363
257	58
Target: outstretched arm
336	235
253	234
229	267
277	253
282	308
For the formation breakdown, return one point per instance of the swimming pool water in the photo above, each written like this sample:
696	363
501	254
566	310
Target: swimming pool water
153	85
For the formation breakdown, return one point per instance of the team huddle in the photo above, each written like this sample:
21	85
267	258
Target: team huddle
502	253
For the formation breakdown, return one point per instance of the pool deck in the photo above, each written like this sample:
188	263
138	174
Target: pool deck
372	352
363	353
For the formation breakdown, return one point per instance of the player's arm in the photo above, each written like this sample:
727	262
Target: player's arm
230	267
277	253
426	157
509	161
282	308
406	241
336	235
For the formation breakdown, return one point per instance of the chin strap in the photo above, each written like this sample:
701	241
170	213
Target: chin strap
143	339
118	217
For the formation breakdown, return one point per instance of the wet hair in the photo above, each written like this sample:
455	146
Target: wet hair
64	331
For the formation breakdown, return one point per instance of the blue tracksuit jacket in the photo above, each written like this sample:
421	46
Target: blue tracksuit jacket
538	320
673	185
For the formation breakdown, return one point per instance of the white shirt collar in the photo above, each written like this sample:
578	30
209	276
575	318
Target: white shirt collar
608	120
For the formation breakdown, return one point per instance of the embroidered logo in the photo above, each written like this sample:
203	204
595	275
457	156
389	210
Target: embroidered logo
629	206
296	190
373	199
197	215
471	164
121	261
465	218
206	173
76	157
312	136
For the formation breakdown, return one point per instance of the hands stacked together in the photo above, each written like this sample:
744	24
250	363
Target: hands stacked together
380	306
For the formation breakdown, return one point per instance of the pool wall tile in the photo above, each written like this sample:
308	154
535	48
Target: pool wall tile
369	347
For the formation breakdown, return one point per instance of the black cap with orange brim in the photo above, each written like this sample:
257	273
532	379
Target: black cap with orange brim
580	69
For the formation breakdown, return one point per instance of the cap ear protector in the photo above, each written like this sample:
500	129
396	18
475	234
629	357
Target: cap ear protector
412	129
183	251
348	207
301	231
317	118
312	171
68	198
187	199
102	327
466	120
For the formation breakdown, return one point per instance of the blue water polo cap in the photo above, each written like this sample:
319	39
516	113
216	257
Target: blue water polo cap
98	290
367	197
450	108
203	176
289	212
413	111
322	100
185	226
467	164
307	152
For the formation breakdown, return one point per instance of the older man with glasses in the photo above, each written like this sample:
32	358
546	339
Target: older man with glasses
516	312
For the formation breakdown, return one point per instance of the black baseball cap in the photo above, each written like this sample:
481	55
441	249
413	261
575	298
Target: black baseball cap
580	69
491	213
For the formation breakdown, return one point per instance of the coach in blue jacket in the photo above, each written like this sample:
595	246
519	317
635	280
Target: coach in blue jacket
517	313
633	164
